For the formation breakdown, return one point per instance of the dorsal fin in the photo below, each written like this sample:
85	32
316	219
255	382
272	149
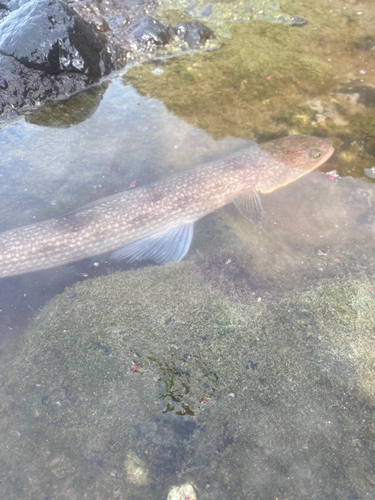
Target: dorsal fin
166	246
250	205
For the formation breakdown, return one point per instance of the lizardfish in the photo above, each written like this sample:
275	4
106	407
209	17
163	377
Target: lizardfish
156	221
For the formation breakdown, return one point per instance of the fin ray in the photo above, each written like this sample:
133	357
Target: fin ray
250	205
166	246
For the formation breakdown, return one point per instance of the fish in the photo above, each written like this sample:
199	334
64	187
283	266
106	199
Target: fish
156	221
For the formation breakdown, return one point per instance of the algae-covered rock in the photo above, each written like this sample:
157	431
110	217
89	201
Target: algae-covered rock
278	395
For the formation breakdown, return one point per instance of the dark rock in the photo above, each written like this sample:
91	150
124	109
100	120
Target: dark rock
50	36
26	86
150	33
50	51
194	33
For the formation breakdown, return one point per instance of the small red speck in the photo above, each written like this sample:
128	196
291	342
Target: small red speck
122	40
269	77
204	400
331	176
371	289
134	369
132	185
339	261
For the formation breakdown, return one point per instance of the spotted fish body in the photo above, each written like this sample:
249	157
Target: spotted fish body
156	221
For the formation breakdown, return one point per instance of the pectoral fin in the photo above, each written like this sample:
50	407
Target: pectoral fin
250	205
166	246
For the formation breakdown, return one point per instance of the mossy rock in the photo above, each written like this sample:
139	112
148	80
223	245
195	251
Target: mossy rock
258	399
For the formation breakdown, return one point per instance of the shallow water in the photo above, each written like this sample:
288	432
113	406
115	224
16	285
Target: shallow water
246	371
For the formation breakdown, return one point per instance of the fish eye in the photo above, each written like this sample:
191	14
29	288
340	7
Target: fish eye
315	154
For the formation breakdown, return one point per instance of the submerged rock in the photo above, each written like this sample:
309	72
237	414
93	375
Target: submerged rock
83	394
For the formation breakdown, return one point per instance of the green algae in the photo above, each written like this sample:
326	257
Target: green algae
238	89
290	414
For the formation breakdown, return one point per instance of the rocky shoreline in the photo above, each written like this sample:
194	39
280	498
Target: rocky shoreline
50	50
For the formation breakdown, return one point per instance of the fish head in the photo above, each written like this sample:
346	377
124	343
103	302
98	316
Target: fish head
289	158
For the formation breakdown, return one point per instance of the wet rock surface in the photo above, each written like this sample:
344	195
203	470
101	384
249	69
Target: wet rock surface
23	87
150	33
50	36
48	51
